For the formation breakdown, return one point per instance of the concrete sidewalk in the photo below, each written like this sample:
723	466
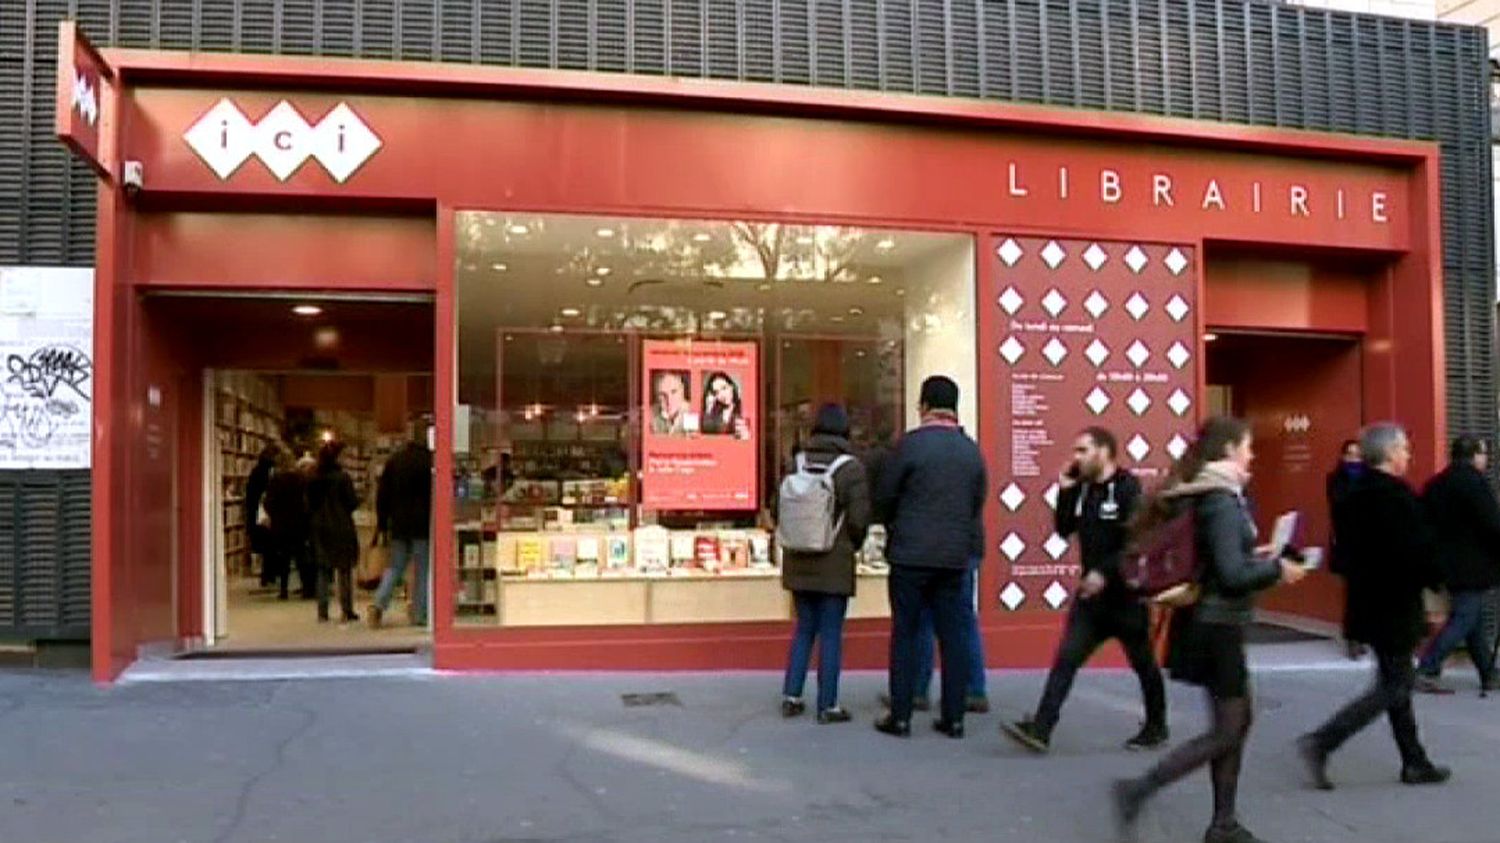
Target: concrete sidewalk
504	759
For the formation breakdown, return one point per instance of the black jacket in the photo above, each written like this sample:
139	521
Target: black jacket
286	504
1465	521
1336	488
403	498
833	572
1388	553
931	498
1098	514
1232	575
255	488
332	500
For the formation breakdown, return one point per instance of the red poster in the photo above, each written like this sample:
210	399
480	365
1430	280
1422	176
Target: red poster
701	417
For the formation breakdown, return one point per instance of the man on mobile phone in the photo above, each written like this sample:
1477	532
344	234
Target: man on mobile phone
1095	501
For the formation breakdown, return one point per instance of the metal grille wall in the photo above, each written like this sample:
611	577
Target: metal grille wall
44	554
1243	62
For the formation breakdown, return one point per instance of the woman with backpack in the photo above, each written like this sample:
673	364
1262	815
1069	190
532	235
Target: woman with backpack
1207	644
332	500
823	514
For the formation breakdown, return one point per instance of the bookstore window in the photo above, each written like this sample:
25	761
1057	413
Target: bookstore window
629	392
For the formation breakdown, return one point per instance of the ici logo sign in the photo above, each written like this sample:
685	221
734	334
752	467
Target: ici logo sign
283	140
1296	424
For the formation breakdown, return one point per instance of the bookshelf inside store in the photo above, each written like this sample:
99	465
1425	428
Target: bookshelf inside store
248	417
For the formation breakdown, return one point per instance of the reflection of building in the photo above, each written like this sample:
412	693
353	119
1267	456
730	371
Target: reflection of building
554	222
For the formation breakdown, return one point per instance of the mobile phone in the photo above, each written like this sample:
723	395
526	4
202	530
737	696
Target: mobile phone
1073	472
1312	558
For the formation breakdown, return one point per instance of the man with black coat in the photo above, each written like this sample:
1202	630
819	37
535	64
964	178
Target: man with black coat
1465	520
931	498
1384	534
1096	500
403	512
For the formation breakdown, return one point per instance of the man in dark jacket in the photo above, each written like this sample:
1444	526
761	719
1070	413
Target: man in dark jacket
1465	521
1351	465
822	583
403	507
931	498
1096	501
1389	556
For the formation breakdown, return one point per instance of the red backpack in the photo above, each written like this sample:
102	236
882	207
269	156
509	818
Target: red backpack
1163	565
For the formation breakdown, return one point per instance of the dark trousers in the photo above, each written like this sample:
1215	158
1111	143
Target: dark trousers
1090	624
281	560
1391	695
820	621
1465	626
940	591
345	577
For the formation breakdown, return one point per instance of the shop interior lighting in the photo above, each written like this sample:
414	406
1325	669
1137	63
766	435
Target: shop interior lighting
765	288
605	232
702	237
1210	337
856	311
307	310
717	314
876	279
594	282
556	329
603	271
499	267
519	229
571	312
900	292
328	436
886	244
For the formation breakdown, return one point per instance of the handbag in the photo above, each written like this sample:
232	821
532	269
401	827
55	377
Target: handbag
372	563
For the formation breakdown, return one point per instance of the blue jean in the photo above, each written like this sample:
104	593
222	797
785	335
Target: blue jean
927	646
405	552
1465	624
820	618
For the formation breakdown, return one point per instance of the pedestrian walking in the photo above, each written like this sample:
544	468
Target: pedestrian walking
1096	500
1465	520
1207	643
1389	557
403	517
332	500
931	498
823	515
286	504
1340	480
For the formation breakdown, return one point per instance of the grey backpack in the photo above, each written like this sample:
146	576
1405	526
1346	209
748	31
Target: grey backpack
807	516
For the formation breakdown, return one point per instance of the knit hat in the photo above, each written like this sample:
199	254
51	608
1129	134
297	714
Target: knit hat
832	421
939	393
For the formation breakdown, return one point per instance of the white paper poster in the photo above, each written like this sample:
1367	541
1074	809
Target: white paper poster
46	363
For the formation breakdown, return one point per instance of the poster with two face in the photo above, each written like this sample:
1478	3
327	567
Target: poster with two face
700	433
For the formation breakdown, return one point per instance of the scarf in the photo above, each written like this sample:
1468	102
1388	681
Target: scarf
1215	476
940	418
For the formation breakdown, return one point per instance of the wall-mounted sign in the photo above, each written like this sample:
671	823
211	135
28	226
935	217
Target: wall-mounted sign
82	81
46	367
700	419
282	139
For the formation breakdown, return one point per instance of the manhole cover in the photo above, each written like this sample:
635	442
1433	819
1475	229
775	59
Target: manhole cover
643	700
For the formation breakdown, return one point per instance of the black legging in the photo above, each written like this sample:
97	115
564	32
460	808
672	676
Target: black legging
1221	748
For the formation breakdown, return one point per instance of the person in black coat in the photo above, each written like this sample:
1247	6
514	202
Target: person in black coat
255	492
1465	521
332	500
1350	466
286	504
1389	556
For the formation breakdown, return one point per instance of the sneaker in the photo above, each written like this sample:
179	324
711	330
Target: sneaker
377	616
1425	774
792	707
1151	736
891	726
954	730
1028	734
1128	802
1432	685
1230	834
833	715
1316	761
917	703
977	704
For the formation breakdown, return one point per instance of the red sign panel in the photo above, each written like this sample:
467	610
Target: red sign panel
1085	333
82	79
698	439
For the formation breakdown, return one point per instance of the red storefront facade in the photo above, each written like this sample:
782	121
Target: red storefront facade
1281	235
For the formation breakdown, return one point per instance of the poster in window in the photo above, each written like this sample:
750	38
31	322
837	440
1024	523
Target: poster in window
699	448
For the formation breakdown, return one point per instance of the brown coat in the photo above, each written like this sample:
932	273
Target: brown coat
833	572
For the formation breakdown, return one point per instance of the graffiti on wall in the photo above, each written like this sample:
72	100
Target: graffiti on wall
46	370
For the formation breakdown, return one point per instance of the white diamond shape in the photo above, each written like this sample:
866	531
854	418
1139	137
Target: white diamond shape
1097	352
223	138
1054	303
1098	400
1096	304
1010	252
1055	595
1095	257
1177	308
1012	547
1053	254
1138	354
342	142
1179	402
1012	350
1011	301
1137	306
283	140
1178	355
1139	402
1012	497
1136	259
1138	447
1012	597
1055	351
1177	446
1055	546
1050	496
1176	261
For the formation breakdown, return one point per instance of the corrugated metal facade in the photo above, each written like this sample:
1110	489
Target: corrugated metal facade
1257	63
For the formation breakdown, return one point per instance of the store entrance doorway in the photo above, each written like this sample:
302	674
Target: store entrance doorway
1303	396
281	382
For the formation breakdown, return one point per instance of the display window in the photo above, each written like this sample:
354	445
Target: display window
630	392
